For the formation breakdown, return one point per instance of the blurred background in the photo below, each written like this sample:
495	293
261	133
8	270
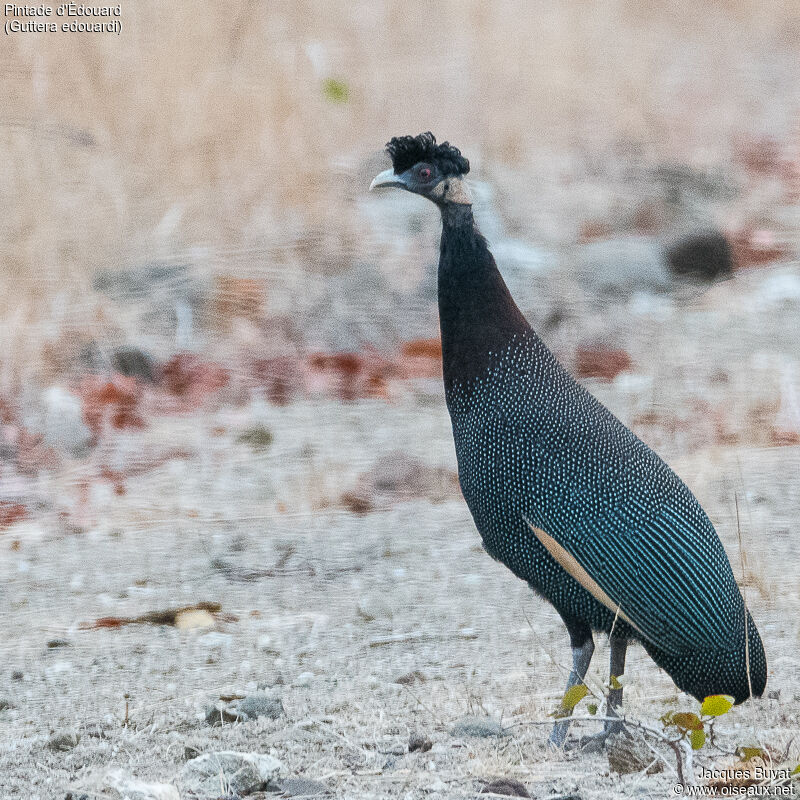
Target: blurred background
219	358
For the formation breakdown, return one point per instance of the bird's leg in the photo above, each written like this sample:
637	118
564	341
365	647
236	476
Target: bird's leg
595	742
619	647
580	638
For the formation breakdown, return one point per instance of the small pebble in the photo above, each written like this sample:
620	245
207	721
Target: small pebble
303	680
63	740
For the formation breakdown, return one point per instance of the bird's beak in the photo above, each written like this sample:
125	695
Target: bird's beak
387	178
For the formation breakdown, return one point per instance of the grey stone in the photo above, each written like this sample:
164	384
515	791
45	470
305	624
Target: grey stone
129	788
228	772
477	726
260	705
63	740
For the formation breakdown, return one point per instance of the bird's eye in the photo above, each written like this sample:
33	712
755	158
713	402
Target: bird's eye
424	173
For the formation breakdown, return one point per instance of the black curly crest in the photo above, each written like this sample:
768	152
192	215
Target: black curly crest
405	151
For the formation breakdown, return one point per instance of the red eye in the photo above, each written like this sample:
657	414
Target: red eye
425	173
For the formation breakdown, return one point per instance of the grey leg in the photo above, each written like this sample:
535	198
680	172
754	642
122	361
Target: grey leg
619	648
582	649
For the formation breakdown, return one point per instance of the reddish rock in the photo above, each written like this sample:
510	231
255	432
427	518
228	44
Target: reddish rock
110	401
281	378
756	248
592	230
11	513
350	376
188	375
421	358
598	362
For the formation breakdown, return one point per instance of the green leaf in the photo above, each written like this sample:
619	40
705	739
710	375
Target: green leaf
751	752
592	709
573	696
335	90
715	705
697	738
614	683
796	770
687	721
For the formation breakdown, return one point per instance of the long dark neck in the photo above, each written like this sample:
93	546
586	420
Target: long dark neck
477	314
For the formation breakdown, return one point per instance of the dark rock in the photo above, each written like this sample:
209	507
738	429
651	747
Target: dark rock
63	740
190	751
704	256
415	676
134	363
52	644
223	716
505	786
418	741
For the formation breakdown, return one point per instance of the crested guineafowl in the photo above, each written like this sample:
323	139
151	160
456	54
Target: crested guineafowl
562	493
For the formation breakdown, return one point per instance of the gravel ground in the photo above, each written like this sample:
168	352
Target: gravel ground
326	609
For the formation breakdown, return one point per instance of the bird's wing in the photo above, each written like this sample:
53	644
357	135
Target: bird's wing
675	587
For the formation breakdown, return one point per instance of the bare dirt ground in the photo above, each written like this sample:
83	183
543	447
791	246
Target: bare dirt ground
196	187
326	608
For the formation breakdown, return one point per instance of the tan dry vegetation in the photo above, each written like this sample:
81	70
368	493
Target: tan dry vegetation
205	136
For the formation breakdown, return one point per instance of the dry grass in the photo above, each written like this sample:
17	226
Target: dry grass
207	137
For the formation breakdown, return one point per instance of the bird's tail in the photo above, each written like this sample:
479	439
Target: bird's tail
740	672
